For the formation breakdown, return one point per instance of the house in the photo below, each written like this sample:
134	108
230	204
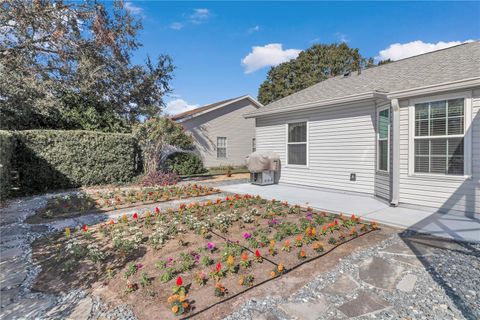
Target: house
221	134
407	131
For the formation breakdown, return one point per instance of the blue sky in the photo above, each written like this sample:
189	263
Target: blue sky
209	40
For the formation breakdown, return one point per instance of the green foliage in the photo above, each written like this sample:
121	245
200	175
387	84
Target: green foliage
313	65
185	163
47	82
54	159
155	134
7	148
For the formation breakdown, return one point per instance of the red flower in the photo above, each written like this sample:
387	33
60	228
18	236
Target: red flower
157	211
135	216
179	281
218	267
353	216
324	227
85	228
257	253
336	222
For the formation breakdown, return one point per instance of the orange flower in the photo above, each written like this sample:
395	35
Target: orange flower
175	309
272	243
287	243
280	267
185	305
244	256
272	274
298	238
302	253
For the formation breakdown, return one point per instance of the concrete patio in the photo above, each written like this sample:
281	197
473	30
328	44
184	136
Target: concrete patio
451	225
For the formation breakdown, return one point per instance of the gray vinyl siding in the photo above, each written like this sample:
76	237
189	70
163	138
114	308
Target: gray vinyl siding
382	179
226	122
341	140
441	192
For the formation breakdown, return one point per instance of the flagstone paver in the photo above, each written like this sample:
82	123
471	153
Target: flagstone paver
306	310
365	303
407	283
380	273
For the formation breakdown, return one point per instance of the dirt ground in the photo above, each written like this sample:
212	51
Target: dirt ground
152	299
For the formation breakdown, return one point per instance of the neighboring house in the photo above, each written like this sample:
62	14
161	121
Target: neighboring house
222	135
407	131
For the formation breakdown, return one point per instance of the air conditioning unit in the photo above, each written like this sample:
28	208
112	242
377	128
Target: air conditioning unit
263	178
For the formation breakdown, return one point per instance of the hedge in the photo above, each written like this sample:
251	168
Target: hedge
7	146
185	163
56	159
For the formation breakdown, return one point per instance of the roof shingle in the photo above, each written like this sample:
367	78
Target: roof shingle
454	63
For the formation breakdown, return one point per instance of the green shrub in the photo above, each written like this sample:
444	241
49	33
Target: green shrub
54	159
185	163
7	147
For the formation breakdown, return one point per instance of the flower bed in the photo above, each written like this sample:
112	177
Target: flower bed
81	203
219	249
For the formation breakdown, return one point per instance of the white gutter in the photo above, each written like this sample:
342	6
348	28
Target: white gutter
432	89
323	103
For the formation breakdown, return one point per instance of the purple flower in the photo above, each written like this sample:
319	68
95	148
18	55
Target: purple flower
272	222
247	235
139	266
309	215
210	246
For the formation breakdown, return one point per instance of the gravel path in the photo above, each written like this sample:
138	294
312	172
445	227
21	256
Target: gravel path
405	277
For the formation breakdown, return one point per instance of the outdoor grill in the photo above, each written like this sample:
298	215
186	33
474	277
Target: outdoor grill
264	167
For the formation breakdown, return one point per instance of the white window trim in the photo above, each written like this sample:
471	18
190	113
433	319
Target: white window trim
307	143
467	141
388	139
226	148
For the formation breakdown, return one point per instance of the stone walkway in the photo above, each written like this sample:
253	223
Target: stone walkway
405	277
17	270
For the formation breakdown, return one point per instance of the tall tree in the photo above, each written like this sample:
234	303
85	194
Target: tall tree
68	65
317	63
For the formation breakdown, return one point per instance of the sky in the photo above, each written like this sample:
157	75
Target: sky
225	49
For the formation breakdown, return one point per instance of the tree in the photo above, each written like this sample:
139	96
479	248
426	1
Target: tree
384	61
317	63
158	138
68	65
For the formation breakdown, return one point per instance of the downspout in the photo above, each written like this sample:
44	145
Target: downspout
395	151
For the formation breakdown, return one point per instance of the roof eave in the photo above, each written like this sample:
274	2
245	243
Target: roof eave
321	103
253	101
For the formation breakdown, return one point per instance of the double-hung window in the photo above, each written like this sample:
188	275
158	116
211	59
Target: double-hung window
383	137
439	137
297	143
221	147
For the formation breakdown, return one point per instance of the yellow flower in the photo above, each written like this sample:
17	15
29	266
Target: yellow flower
182	298
230	260
67	232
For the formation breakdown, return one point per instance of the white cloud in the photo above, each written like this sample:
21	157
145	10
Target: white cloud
178	105
176	26
254	29
341	37
399	51
200	15
133	9
269	55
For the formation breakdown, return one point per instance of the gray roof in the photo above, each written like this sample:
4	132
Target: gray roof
446	65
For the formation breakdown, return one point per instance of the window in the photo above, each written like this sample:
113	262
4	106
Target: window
383	125
254	145
439	137
221	147
297	143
